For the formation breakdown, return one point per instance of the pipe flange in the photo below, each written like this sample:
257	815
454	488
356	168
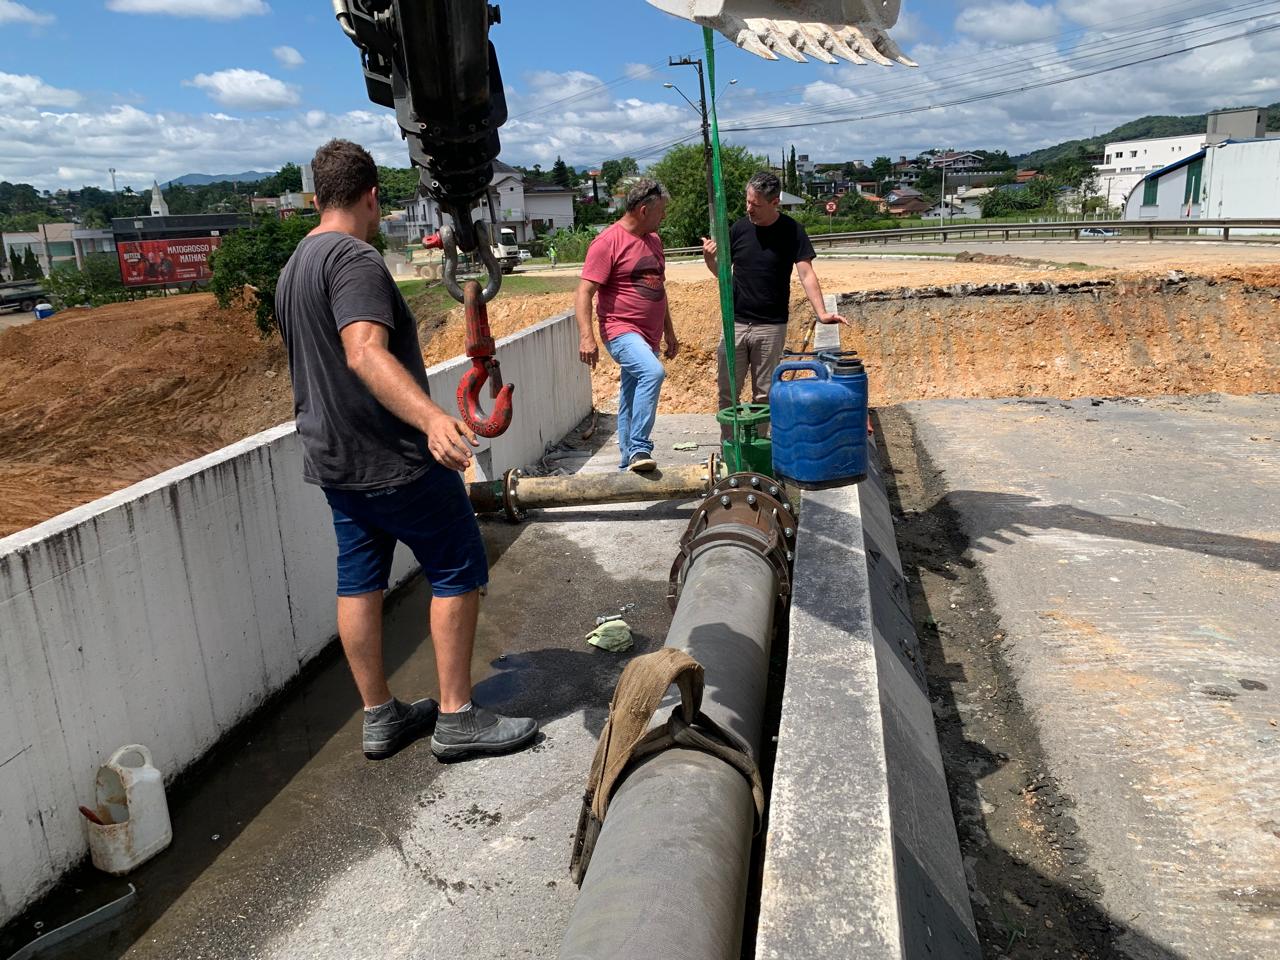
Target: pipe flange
755	483
510	496
745	515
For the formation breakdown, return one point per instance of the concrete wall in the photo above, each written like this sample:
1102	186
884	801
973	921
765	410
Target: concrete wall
861	855
165	613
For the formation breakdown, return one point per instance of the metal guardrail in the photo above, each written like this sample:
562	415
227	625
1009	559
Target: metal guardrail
1069	230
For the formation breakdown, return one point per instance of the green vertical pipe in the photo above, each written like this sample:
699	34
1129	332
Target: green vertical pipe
723	262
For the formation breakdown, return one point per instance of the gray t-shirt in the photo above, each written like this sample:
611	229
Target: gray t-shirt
350	441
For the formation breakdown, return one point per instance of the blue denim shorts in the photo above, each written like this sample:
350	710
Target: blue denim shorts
431	515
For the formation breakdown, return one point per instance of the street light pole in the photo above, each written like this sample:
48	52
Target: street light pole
706	129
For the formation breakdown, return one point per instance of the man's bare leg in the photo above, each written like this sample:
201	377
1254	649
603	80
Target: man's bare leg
453	630
360	627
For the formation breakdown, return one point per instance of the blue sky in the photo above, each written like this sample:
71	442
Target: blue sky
90	84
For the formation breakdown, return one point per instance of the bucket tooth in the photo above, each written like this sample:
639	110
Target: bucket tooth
886	45
775	39
854	37
806	38
748	41
829	40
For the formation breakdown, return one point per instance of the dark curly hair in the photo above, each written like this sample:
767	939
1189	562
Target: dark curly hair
343	171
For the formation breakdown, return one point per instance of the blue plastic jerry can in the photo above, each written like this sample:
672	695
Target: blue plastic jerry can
819	424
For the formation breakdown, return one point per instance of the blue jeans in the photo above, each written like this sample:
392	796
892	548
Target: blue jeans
638	388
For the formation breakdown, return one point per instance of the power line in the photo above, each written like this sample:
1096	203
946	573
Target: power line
1007	92
1095	57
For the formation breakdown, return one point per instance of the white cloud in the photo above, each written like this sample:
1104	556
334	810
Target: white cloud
71	149
637	71
18	89
246	89
1008	22
205	9
288	57
13	12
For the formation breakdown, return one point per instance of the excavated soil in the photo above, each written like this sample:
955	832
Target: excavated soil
94	400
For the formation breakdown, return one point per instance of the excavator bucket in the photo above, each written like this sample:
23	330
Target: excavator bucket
828	30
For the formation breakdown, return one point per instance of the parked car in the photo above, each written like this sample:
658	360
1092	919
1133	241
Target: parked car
525	254
1099	232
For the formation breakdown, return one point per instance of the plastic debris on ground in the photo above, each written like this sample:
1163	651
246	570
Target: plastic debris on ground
686	445
612	635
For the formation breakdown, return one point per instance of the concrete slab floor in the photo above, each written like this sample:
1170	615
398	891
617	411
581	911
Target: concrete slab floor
1133	553
289	844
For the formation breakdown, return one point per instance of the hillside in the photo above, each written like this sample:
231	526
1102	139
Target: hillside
1154	126
204	179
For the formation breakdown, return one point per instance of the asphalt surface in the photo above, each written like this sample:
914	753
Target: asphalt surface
1133	553
289	844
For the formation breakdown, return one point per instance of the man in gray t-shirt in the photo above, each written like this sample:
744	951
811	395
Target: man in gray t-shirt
386	457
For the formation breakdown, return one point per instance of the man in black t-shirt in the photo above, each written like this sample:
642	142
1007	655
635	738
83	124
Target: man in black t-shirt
764	245
387	458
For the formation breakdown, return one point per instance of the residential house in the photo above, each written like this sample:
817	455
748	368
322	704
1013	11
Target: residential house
529	208
907	172
790	202
952	208
905	202
87	241
953	160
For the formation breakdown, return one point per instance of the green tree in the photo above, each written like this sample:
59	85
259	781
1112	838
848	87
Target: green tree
98	283
681	172
882	170
791	179
560	173
15	264
254	258
613	171
396	185
31	269
855	206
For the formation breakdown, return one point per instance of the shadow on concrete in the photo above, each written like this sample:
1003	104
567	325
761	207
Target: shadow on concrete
313	719
1021	912
1000	517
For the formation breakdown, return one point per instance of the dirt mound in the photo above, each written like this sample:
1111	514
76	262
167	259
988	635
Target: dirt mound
1141	337
95	400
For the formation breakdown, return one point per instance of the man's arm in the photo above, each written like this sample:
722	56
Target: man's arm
813	290
709	255
669	334
365	345
588	349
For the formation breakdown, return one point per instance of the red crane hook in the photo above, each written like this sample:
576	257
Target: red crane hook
484	366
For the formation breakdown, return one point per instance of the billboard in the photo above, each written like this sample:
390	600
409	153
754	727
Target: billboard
146	263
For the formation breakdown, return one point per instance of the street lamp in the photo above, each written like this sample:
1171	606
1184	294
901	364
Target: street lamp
701	107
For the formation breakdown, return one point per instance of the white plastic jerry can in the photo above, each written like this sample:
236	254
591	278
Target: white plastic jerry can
134	813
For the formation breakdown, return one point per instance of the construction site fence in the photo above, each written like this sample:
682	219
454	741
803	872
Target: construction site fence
165	613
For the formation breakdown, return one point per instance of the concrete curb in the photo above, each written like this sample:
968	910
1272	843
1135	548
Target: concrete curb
861	854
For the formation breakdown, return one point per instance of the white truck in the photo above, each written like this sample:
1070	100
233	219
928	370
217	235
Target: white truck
505	250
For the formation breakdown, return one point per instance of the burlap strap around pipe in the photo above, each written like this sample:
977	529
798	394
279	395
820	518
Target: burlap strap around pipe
626	739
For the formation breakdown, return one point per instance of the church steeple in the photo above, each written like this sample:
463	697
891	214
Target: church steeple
159	208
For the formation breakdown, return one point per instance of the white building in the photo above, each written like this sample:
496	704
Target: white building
1234	178
528	209
1126	162
1171	193
159	206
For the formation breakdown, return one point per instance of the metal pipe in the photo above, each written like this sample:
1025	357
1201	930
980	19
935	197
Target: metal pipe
668	877
515	494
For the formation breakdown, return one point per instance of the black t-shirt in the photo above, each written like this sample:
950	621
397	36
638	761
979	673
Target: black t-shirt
762	262
350	441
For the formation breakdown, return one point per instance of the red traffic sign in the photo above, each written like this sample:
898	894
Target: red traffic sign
831	206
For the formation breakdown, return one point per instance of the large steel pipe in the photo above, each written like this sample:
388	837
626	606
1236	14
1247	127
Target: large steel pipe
668	877
516	494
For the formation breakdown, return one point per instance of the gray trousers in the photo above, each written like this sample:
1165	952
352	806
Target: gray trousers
758	348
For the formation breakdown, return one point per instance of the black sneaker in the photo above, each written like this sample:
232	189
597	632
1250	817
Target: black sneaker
479	731
641	462
390	728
